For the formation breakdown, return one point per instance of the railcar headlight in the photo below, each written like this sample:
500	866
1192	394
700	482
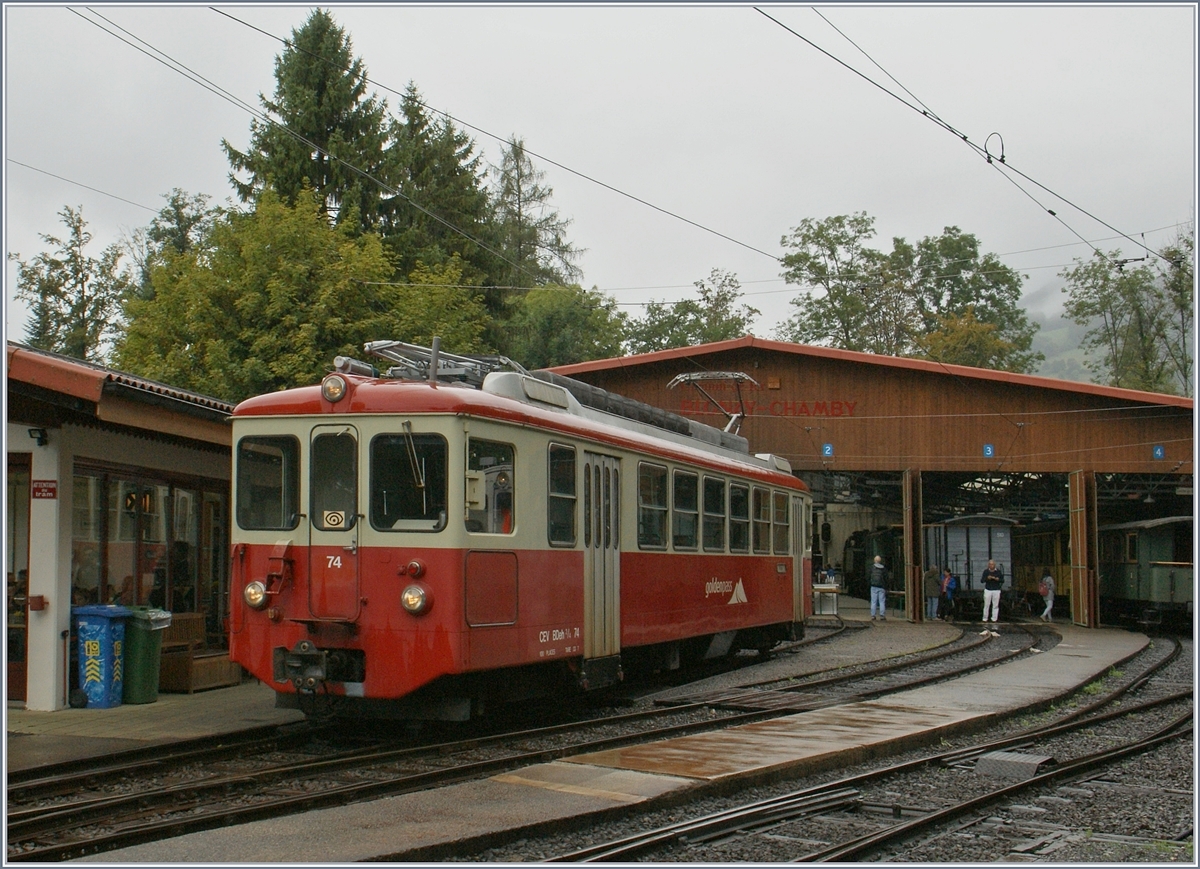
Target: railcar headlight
415	600
333	388
255	595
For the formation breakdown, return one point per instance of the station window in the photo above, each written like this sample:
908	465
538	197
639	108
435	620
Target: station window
408	482
780	527
1131	547
739	518
560	503
687	513
714	514
652	506
491	493
268	472
762	520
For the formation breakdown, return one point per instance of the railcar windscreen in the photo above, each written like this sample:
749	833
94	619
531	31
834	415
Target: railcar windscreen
408	482
268	469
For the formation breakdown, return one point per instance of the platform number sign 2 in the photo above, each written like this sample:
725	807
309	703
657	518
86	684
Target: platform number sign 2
989	451
827	451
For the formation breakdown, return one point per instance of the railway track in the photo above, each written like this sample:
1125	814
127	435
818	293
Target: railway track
148	811
799	819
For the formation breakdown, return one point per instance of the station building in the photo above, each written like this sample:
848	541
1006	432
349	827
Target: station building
916	446
117	492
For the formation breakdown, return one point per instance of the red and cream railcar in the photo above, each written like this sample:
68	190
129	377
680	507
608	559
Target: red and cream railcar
411	546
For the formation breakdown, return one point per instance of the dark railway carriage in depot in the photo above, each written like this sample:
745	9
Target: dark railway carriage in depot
425	545
1146	570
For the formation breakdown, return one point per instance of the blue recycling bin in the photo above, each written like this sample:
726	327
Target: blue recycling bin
101	632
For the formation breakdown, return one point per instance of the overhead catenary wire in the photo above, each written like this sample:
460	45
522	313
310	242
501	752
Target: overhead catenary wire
981	151
503	139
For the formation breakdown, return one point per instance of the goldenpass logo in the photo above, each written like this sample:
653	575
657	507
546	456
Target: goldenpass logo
737	594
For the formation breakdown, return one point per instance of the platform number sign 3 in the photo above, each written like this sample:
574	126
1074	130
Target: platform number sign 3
989	451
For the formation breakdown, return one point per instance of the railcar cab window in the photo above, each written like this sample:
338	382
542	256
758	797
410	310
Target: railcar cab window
268	494
739	518
652	506
762	520
491	488
334	483
685	530
780	526
714	514
408	482
560	502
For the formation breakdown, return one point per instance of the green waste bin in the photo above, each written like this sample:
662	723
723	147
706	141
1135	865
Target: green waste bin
143	648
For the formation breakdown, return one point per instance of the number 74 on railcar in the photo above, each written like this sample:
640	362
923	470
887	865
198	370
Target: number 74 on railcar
456	532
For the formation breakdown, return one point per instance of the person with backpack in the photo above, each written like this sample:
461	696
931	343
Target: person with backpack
1046	590
879	580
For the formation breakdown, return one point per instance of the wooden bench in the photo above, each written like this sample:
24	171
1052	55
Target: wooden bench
188	665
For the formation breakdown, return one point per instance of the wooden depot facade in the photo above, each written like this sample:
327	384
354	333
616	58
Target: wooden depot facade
922	438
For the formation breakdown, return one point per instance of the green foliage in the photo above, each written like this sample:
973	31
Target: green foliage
529	232
442	209
1140	321
182	224
330	133
714	316
556	325
266	303
940	299
74	299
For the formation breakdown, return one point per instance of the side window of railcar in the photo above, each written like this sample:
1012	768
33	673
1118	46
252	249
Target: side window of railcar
268	475
490	487
560	503
652	506
408	482
739	518
762	520
686	515
780	526
714	514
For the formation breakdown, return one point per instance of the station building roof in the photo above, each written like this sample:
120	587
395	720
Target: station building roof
50	389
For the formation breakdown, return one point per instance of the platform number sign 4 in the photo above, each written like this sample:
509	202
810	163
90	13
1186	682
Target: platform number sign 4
989	451
827	451
1160	452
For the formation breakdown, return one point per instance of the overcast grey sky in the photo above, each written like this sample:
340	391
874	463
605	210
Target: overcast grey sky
715	113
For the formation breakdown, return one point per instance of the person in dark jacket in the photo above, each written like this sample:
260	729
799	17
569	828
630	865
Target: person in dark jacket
879	578
993	581
933	591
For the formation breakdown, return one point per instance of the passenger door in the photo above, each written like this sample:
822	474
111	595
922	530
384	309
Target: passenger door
333	571
602	558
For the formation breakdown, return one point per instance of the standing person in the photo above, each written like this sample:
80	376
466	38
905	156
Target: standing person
949	583
1046	590
879	578
933	590
993	581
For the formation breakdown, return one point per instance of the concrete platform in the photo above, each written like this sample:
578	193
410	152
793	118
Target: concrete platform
39	738
612	780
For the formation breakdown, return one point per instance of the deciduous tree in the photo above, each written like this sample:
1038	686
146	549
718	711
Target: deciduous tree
715	315
557	325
